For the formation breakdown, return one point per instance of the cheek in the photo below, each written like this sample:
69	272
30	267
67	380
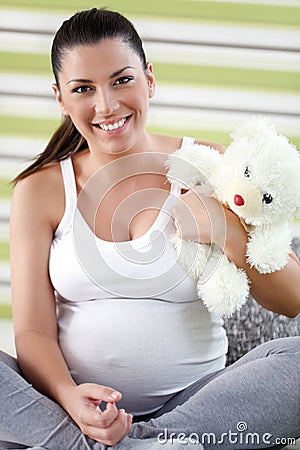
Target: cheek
77	105
140	96
81	111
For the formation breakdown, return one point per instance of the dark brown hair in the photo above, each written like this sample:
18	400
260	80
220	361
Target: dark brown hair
84	28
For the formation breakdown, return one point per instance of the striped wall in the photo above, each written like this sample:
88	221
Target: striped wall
216	62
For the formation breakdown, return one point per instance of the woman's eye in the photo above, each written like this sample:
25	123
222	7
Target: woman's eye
123	80
82	89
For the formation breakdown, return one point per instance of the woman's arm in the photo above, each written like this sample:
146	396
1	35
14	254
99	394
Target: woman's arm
37	206
33	302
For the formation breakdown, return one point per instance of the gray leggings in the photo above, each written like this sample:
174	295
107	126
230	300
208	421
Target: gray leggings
254	403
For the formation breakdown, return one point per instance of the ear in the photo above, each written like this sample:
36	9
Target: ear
151	80
59	99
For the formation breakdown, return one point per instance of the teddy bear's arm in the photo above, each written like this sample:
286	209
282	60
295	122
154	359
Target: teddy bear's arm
268	247
219	147
193	165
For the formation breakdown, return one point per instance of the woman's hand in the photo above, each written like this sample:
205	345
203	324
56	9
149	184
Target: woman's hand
109	426
200	218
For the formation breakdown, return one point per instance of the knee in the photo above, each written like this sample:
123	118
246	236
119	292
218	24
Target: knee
286	345
281	347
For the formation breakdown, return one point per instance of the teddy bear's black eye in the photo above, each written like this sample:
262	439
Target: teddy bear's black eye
247	172
267	198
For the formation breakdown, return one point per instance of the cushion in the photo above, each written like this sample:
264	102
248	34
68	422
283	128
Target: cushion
252	325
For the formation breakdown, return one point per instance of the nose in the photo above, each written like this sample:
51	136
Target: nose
238	200
106	102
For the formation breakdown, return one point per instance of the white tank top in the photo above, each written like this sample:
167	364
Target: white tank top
128	314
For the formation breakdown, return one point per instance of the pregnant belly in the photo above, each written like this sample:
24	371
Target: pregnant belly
146	349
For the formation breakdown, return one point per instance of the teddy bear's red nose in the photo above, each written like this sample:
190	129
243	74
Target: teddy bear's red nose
238	200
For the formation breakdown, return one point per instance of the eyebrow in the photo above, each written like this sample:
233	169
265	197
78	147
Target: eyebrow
113	75
118	72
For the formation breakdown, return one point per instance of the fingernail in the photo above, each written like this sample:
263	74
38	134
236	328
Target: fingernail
122	411
114	394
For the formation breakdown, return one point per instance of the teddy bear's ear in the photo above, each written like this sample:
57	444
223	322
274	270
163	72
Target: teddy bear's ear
254	127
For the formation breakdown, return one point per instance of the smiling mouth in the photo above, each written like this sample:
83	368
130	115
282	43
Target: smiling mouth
112	126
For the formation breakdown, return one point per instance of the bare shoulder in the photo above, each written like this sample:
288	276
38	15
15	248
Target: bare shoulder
41	194
166	144
221	148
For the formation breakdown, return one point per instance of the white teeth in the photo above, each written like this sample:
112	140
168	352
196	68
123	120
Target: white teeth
112	126
121	122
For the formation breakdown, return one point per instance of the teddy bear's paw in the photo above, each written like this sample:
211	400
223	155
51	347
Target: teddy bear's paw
191	255
268	252
225	290
267	266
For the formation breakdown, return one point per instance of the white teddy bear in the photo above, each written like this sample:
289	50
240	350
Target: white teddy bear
258	178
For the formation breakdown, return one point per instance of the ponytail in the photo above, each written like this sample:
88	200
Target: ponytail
65	142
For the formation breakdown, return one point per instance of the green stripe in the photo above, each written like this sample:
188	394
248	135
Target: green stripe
33	127
230	12
220	137
5	311
183	74
5	188
4	251
223	12
227	77
25	63
27	127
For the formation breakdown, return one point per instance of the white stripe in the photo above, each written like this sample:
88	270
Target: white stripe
223	57
189	96
4	232
5	272
24	43
30	107
270	36
27	147
4	208
6	337
176	53
213	120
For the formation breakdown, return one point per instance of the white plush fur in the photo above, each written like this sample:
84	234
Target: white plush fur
261	167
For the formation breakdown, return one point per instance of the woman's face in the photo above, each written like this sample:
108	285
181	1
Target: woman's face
105	91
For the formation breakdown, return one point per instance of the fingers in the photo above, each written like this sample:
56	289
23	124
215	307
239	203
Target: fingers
94	417
199	217
101	393
202	189
115	431
89	413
